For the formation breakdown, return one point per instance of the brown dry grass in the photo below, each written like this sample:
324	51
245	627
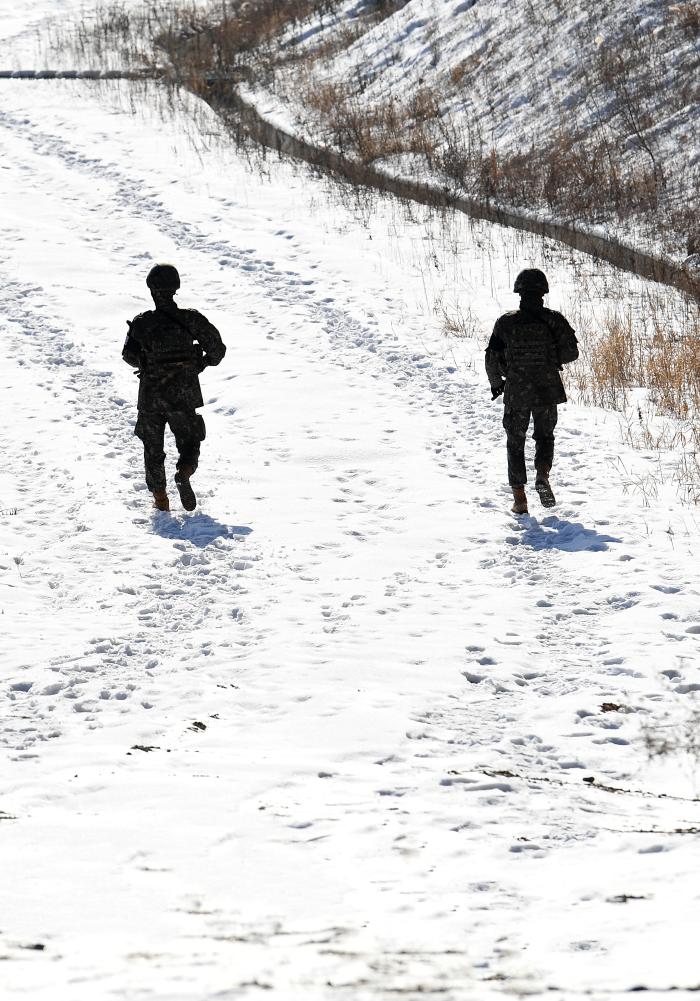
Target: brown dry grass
378	132
196	39
576	176
687	14
459	323
649	346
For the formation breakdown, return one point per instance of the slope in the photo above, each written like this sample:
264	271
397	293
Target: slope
579	112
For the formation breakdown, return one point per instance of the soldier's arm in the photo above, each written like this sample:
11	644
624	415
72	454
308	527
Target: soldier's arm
567	345
131	352
496	358
210	341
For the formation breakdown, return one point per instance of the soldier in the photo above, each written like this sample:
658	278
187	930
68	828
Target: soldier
527	350
169	347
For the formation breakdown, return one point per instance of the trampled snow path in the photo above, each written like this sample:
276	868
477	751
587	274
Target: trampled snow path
327	736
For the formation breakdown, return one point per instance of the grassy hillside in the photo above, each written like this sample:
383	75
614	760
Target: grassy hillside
584	112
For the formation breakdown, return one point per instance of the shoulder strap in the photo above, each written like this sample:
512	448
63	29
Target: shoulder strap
180	322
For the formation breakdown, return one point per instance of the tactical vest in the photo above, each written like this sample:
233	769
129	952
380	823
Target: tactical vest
169	362
531	349
166	344
532	361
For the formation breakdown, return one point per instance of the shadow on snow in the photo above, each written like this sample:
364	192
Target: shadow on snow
569	536
200	529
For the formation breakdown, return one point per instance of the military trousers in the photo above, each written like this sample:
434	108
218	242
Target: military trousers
516	422
188	428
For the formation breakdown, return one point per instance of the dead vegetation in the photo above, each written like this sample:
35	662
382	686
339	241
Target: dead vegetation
642	360
603	161
687	14
677	738
652	345
195	40
380	132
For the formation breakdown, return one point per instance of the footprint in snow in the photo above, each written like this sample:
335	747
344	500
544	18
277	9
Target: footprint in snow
473	679
529	848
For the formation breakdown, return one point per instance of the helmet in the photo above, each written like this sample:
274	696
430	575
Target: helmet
531	280
164	278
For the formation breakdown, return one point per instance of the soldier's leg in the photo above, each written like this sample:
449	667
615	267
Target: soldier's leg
516	423
189	431
188	428
545	421
150	428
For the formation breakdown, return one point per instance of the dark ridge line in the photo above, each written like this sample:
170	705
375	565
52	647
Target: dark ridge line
47	74
145	73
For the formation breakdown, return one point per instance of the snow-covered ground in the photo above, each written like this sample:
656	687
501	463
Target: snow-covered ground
350	729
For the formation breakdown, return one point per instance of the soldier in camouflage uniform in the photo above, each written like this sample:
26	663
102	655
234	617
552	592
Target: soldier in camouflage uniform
169	347
524	357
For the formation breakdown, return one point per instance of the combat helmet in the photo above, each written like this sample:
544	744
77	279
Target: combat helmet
163	278
531	280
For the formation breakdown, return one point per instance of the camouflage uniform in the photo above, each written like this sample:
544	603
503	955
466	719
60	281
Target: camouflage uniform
170	347
527	349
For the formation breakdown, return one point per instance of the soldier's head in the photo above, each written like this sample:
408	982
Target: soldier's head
163	280
532	286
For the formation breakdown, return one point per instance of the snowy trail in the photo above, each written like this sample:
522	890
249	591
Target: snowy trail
328	735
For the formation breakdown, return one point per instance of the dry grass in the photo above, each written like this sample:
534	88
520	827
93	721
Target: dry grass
577	177
376	133
612	169
687	15
676	737
459	323
651	346
197	40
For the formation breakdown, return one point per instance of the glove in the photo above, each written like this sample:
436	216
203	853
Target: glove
202	362
497	391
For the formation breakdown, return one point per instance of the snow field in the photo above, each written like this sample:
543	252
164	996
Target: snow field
327	736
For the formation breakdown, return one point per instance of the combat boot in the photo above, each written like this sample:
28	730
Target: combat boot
543	488
184	488
519	500
160	500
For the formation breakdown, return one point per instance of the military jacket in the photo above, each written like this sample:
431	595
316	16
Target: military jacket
528	349
170	347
